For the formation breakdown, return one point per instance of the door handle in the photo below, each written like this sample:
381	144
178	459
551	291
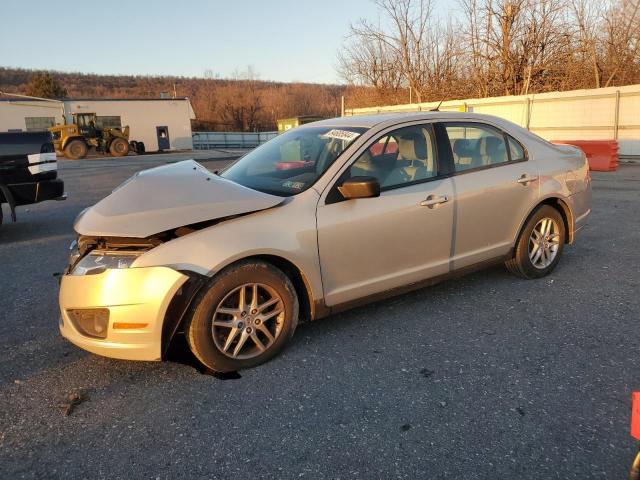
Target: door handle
433	200
526	179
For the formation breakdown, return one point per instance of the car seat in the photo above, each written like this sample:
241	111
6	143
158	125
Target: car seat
491	150
413	162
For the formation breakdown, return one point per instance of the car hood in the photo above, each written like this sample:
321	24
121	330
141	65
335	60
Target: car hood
168	197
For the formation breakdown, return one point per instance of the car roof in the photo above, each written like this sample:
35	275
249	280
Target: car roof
382	120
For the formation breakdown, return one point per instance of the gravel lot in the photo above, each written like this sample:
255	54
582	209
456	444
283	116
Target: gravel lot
486	376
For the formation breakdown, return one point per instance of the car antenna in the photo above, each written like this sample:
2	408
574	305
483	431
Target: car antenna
437	109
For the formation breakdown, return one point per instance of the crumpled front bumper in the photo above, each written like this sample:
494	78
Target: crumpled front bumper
132	296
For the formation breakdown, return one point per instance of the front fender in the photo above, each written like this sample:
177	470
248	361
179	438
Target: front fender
287	231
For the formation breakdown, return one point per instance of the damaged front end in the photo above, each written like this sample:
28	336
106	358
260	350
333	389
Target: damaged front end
113	308
92	255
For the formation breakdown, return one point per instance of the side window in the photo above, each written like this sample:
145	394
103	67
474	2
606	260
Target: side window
403	156
516	150
476	145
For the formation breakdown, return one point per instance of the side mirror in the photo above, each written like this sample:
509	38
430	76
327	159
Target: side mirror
360	187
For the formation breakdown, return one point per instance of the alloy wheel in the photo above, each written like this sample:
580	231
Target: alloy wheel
248	321
544	243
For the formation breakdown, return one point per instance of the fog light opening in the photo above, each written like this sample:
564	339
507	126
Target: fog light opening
91	322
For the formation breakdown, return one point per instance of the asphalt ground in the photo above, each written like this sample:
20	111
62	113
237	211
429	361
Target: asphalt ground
486	376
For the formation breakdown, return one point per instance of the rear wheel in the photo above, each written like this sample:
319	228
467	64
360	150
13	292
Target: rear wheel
540	244
119	147
75	149
245	317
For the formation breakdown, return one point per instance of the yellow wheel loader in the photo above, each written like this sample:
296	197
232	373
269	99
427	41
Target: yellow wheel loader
75	140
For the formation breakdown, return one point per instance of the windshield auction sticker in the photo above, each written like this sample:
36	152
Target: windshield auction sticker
341	135
294	185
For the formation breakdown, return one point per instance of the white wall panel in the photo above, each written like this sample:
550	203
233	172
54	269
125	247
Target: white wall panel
574	115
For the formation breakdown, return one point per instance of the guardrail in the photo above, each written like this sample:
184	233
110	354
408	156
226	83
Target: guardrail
211	140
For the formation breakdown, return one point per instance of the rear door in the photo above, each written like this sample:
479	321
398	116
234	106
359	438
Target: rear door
370	245
495	185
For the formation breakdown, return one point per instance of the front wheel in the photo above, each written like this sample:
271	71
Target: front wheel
244	318
119	147
540	244
75	149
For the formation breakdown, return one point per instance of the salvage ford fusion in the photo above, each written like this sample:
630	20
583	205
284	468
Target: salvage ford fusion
321	218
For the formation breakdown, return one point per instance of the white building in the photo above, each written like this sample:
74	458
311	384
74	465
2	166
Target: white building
162	124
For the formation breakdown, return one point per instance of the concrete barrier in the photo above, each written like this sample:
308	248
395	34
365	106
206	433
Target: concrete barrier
602	155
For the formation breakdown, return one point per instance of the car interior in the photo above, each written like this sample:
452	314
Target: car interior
475	147
406	155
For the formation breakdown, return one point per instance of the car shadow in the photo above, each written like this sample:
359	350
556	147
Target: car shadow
320	330
179	352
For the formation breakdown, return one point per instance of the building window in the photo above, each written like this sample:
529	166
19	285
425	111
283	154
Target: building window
108	122
39	124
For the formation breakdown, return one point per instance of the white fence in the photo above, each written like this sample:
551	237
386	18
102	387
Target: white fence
211	140
600	114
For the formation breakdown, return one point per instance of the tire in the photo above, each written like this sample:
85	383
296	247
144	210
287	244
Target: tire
75	149
537	254
140	148
119	147
218	323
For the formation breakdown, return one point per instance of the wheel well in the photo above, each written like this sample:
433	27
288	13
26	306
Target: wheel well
297	278
563	210
177	314
565	213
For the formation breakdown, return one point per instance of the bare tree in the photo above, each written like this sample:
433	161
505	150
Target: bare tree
242	110
512	45
587	17
370	61
497	47
623	40
408	52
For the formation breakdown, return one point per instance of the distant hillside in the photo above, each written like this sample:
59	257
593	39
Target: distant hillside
244	104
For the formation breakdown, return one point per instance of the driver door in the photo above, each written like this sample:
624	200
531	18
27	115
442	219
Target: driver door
370	245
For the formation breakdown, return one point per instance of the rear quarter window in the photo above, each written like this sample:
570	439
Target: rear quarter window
516	150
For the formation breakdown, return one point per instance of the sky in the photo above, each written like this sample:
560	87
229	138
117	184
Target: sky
282	40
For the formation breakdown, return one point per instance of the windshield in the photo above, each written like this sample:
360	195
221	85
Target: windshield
292	161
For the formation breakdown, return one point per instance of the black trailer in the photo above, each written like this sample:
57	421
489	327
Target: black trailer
28	170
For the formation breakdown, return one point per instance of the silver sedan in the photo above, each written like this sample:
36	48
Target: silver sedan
319	219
